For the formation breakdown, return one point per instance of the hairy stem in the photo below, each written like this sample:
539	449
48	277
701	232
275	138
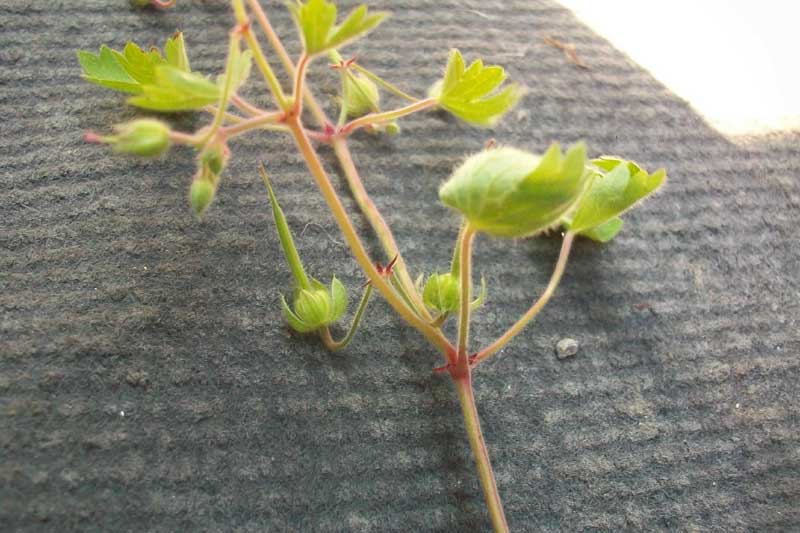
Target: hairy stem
356	246
299	83
283	55
258	55
385	84
466	292
334	345
258	121
378	223
566	246
473	426
354	181
386	116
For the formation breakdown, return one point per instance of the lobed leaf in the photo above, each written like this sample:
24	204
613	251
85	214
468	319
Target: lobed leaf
470	93
104	70
506	192
617	185
315	20
176	90
605	231
357	24
175	51
132	68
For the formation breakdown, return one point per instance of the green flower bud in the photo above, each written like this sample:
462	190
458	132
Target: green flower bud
201	194
144	137
506	192
361	95
441	293
392	128
316	306
214	159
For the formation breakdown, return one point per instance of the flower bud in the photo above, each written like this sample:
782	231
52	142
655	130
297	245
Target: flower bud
316	306
392	128
506	192
144	137
361	95
201	194
214	159
441	292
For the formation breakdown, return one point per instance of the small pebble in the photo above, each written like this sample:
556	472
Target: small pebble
566	348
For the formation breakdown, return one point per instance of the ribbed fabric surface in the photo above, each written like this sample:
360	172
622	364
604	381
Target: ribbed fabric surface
148	381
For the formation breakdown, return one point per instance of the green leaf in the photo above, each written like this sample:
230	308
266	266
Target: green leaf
239	67
316	18
176	90
605	231
139	65
508	193
104	70
472	93
616	186
357	24
132	68
175	50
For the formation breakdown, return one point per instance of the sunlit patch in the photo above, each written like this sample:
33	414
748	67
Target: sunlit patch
735	62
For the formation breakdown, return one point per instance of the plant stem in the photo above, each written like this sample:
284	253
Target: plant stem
245	106
299	82
219	117
354	181
356	246
473	426
566	246
379	225
466	292
385	84
266	118
333	345
386	116
288	65
258	55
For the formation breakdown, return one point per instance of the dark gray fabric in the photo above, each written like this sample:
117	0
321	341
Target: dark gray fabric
679	412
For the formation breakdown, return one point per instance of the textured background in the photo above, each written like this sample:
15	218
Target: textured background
679	412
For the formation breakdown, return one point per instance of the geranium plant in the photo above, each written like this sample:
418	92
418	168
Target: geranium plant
501	191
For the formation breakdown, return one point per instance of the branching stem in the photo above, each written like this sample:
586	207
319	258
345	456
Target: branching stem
566	246
386	116
354	241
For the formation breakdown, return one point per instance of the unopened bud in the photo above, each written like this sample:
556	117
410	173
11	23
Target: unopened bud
361	95
201	194
214	159
441	292
317	306
392	129
145	137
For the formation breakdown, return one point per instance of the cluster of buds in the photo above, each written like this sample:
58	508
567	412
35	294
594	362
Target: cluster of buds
211	163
